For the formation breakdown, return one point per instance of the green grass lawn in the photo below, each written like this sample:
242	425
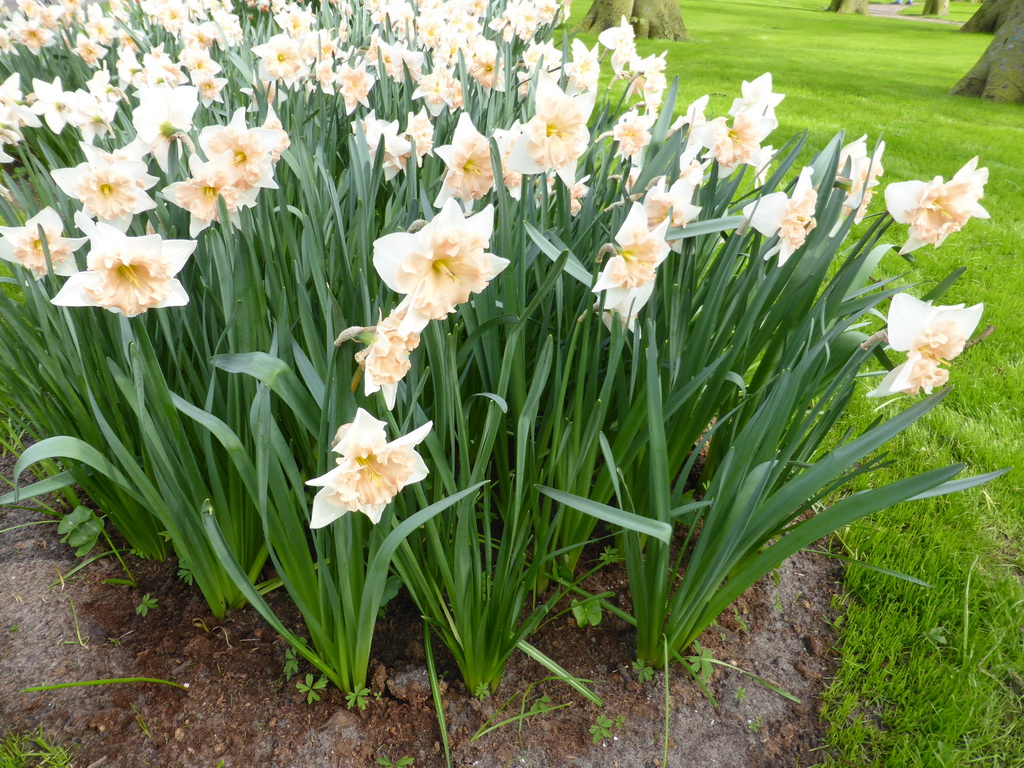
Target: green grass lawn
33	750
928	677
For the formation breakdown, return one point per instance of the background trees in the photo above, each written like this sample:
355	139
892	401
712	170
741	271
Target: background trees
999	73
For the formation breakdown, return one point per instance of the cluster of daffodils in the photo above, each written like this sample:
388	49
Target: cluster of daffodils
431	85
130	275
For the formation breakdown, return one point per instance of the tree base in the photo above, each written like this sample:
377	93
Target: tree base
999	73
860	7
659	19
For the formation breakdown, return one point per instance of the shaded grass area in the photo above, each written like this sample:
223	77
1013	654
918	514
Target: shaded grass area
929	677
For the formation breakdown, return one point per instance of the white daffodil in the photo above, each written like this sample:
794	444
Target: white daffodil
557	135
635	262
23	245
53	104
440	266
111	186
164	115
789	217
370	471
935	209
931	336
468	159
126	275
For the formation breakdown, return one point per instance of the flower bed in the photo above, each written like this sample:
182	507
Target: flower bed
417	258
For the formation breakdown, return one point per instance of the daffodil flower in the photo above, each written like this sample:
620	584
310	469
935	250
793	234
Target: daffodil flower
126	275
369	472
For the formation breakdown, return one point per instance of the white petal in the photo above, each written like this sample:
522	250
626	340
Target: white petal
389	252
967	319
72	293
886	388
177	296
497	263
324	513
415	437
482	224
765	215
902	197
520	160
909	317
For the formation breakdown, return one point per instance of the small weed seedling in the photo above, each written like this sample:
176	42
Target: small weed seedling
609	556
741	694
291	663
701	665
13	629
539	705
360	698
310	688
141	722
401	762
602	727
755	725
586	612
739	620
644	672
937	636
148	603
81	529
32	749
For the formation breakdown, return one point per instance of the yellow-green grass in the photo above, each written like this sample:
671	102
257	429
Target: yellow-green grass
928	677
33	750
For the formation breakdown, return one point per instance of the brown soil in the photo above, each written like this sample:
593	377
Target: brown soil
241	712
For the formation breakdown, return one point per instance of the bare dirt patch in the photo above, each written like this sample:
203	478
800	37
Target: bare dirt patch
241	712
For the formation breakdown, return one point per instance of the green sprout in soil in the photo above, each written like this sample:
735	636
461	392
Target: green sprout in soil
401	762
586	612
609	556
602	727
644	671
148	603
359	698
291	663
310	687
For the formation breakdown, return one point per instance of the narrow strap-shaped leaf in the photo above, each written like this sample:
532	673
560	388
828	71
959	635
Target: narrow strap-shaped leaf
631	522
280	378
572	264
46	485
255	599
64	447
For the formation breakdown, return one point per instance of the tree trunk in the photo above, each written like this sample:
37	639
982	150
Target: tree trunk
650	18
988	17
849	6
935	8
999	73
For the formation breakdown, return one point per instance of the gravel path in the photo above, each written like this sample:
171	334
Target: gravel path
893	12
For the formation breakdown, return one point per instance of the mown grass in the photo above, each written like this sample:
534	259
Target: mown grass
928	677
32	750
